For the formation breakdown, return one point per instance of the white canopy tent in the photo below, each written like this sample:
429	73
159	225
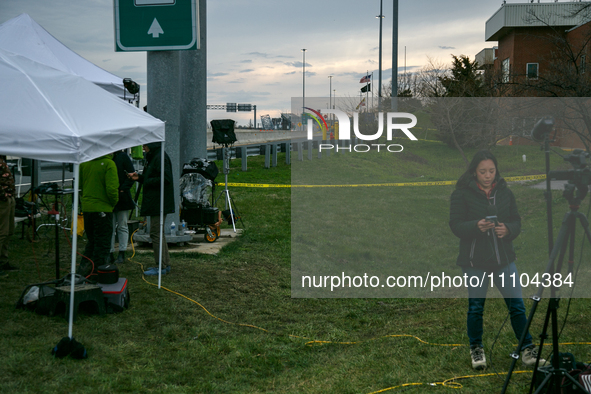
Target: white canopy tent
23	36
51	115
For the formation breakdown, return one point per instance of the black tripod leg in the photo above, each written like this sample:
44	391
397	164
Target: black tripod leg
543	384
543	336
137	195
560	240
216	200
576	383
553	305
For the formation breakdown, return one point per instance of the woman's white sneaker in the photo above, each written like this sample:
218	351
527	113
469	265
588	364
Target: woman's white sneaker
478	358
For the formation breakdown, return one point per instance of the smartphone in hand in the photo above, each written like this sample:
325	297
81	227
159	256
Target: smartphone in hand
492	219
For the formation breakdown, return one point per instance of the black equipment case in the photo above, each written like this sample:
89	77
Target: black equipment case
108	274
197	214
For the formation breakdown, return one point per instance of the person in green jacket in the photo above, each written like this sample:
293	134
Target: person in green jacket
100	193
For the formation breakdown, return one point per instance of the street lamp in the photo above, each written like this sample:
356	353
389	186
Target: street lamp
381	16
330	92
303	85
394	94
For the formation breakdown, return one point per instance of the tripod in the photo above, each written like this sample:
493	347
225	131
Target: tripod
566	235
226	193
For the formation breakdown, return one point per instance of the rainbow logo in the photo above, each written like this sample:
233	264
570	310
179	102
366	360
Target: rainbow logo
317	116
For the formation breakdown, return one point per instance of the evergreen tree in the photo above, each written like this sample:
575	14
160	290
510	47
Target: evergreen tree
465	79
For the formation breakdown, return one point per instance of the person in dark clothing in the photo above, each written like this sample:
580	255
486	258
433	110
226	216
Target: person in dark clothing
124	205
7	209
486	246
151	180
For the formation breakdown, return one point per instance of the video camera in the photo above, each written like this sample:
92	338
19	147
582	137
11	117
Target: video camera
580	175
579	178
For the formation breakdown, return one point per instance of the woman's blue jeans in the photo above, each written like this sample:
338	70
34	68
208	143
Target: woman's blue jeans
513	300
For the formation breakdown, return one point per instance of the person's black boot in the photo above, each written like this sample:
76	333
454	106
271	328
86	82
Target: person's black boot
120	258
85	268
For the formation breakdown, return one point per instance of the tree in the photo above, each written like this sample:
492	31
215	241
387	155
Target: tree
429	80
469	122
463	114
464	80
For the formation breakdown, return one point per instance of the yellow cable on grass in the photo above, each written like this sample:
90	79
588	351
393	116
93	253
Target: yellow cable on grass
451	383
310	343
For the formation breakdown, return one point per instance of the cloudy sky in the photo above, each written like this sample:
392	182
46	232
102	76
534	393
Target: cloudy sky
254	46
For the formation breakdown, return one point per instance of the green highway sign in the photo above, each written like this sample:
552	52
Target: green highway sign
156	25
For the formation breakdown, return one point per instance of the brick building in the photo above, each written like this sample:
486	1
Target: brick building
542	50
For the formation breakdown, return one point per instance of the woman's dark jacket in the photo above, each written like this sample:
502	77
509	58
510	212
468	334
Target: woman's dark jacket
123	163
151	183
484	250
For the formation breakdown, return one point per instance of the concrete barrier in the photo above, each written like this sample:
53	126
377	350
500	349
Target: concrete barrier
253	136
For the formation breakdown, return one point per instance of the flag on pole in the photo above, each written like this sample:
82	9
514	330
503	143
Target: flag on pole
366	88
365	79
361	104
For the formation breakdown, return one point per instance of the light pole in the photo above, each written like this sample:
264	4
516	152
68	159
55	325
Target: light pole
303	86
330	92
394	94
381	16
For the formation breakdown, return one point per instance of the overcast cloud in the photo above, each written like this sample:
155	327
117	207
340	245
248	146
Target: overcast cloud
340	37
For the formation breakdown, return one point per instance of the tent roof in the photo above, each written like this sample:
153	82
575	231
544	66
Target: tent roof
48	114
22	35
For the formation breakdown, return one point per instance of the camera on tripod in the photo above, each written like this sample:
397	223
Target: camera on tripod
581	174
554	377
223	134
578	178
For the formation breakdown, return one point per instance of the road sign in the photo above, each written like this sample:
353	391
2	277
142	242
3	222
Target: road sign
156	25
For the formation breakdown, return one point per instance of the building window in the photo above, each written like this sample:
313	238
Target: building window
532	70
583	63
505	68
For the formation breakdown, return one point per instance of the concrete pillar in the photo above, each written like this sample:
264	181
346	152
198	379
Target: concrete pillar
274	154
193	99
163	103
288	153
267	155
243	154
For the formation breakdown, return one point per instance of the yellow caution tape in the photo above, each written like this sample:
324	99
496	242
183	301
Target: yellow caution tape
251	185
434	183
525	178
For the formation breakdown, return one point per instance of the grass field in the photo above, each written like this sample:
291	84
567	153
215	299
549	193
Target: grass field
238	330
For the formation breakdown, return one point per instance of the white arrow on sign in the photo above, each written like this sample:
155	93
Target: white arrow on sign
155	29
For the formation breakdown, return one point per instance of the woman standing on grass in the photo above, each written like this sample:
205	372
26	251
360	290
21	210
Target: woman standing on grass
486	247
